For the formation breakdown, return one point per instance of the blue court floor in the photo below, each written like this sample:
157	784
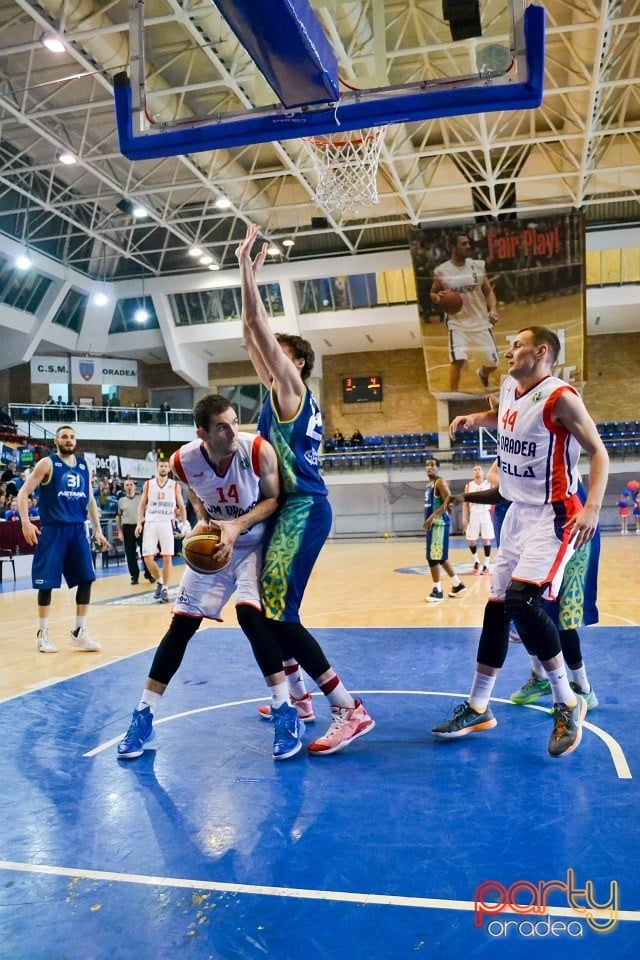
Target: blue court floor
400	847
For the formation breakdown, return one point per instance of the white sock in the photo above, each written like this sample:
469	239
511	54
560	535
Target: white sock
481	690
81	623
562	692
537	668
43	623
455	580
437	587
279	694
579	677
149	698
295	679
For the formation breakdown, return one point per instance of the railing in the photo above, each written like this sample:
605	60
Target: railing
76	413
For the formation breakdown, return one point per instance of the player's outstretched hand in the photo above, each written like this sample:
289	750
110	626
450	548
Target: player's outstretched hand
244	248
460	424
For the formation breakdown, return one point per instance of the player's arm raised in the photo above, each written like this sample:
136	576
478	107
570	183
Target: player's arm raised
272	364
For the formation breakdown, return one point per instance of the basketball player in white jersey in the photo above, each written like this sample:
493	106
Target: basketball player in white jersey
470	329
542	423
233	479
476	520
161	500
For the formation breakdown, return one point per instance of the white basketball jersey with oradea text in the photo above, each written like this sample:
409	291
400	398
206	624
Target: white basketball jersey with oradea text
228	495
537	459
161	501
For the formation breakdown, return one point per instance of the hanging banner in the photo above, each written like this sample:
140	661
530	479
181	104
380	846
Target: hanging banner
89	370
478	285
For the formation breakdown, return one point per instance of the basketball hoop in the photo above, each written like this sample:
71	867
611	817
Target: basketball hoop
346	166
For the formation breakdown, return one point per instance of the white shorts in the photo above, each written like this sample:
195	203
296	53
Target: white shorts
157	534
531	549
480	526
205	594
481	343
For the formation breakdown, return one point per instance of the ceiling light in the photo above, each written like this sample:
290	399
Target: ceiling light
140	315
100	299
67	158
273	250
139	211
195	252
223	203
288	243
23	261
214	266
52	42
206	260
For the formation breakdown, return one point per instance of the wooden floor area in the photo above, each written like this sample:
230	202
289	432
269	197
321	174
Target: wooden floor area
355	584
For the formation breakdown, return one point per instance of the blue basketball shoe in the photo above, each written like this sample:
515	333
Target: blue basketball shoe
139	735
287	736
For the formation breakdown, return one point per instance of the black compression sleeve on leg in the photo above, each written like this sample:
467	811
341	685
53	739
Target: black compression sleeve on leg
83	593
170	652
524	606
44	598
297	643
262	637
570	643
494	639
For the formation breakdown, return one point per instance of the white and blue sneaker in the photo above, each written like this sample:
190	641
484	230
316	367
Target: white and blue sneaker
157	593
138	737
287	736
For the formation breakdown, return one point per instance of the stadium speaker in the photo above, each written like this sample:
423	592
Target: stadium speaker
463	17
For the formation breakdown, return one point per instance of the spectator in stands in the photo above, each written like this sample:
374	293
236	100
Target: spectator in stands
34	508
5	419
11	509
9	479
163	411
107	503
356	438
338	438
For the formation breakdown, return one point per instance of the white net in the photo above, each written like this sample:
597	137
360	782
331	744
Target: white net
346	166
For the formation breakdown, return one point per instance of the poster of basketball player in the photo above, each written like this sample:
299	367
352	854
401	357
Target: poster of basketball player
478	284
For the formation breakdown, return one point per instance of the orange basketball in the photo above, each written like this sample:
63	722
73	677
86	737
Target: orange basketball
199	552
451	301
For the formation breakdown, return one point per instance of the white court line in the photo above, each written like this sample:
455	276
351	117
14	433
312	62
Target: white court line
299	893
617	754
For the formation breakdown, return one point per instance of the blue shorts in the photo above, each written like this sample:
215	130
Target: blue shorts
63	550
295	536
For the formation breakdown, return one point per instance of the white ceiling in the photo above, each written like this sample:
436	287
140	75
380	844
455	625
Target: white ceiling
579	150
